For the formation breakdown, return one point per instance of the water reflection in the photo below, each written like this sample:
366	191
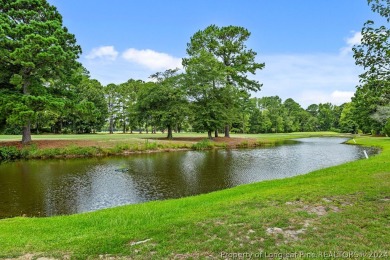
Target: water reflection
54	187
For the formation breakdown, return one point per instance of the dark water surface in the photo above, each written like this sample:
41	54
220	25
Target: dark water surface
56	187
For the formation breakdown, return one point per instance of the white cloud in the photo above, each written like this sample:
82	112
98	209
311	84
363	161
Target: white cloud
103	52
336	97
151	59
342	96
356	38
309	78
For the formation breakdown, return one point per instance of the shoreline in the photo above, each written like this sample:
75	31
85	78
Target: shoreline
86	148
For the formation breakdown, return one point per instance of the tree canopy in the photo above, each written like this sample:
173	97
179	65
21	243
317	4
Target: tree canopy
223	51
372	97
34	48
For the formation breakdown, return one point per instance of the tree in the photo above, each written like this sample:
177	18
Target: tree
275	112
90	108
205	77
307	122
164	101
373	54
34	48
313	110
226	45
326	116
382	116
292	113
127	99
111	95
347	122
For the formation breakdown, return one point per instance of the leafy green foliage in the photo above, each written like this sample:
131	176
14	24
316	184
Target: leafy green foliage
8	153
347	122
218	66
203	145
35	48
163	103
366	101
373	54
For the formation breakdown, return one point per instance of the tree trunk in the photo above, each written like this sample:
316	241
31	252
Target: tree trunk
111	127
170	136
209	134
216	133
227	130
124	126
26	135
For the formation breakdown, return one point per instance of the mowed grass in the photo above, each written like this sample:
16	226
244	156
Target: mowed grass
343	209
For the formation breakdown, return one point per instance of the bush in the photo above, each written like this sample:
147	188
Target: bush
8	153
150	145
12	130
202	145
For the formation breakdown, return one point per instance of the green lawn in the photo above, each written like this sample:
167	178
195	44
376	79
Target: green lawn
342	209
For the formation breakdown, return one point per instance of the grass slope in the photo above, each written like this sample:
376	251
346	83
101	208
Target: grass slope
339	209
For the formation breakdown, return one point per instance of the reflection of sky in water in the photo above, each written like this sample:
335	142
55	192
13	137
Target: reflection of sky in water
53	187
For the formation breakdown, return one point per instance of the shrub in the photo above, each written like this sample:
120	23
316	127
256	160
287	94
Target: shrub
150	145
9	153
202	145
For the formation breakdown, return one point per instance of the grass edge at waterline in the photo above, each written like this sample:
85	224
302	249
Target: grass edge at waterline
339	209
100	145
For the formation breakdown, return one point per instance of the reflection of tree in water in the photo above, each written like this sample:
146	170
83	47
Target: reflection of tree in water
37	187
16	186
65	189
178	174
214	172
157	176
95	185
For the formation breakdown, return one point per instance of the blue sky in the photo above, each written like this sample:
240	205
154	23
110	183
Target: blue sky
305	44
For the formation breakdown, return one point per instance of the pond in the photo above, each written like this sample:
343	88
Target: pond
57	187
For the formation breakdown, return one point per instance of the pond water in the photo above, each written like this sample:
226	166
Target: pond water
56	187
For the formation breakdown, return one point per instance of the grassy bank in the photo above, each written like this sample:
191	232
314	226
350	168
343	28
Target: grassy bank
343	209
62	146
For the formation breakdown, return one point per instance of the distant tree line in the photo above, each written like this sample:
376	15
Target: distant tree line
44	89
168	104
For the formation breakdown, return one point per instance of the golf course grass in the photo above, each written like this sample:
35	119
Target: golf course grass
334	212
